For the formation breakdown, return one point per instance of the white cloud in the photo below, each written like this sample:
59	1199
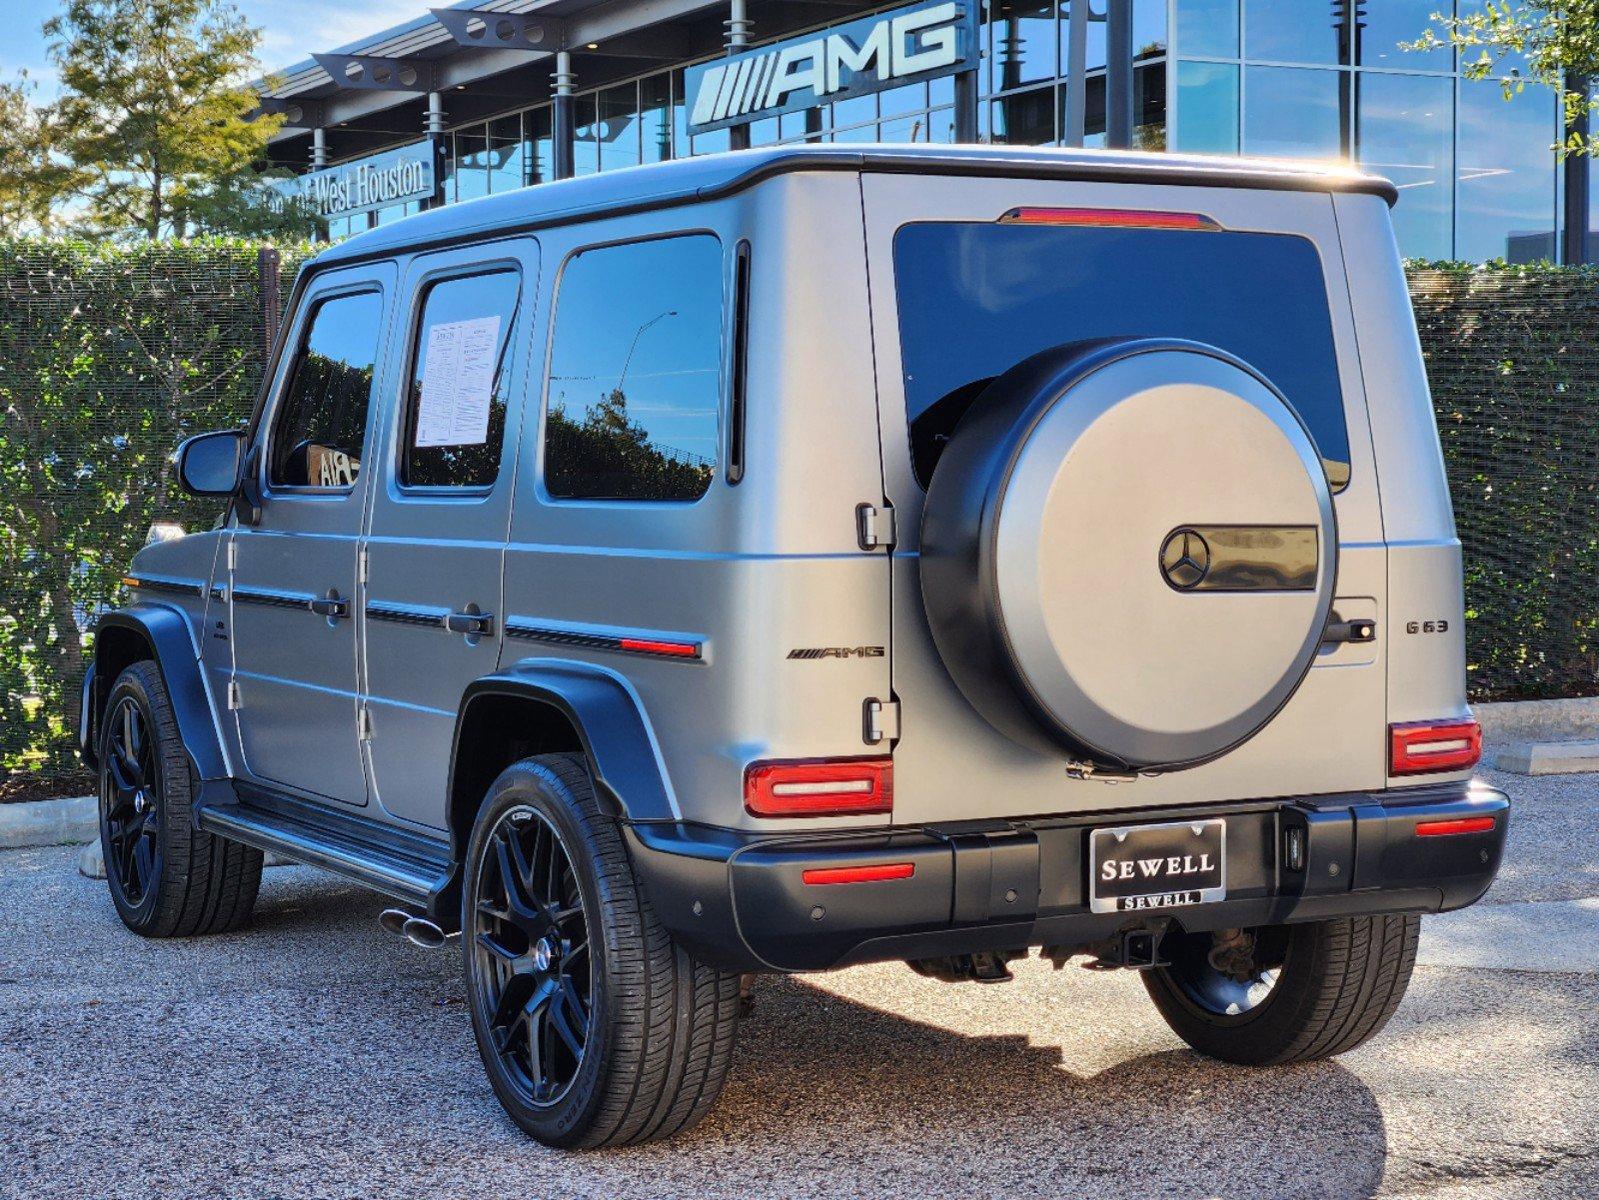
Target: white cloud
293	29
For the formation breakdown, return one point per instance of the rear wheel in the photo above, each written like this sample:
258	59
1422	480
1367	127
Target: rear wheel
1285	993
594	1027
167	878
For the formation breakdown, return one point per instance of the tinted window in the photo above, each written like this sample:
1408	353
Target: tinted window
455	415
321	422
635	372
975	300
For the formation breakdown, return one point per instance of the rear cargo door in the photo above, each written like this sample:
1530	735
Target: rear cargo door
971	276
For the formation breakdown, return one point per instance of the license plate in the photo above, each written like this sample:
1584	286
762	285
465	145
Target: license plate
1136	867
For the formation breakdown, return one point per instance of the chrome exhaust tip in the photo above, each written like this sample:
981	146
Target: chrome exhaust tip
393	920
420	931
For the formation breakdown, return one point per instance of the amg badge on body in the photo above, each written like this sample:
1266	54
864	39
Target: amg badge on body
838	652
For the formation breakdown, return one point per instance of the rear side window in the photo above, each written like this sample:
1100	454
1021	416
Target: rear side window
321	423
455	413
975	300
636	371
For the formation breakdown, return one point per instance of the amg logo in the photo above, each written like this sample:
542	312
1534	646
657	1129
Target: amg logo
838	652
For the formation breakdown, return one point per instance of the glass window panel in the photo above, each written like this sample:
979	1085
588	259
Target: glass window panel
1506	174
1510	64
1294	113
941	91
1207	108
1386	25
540	144
855	111
1149	28
319	431
655	118
974	300
1406	133
897	102
710	143
586	135
471	163
904	129
764	132
618	129
507	156
1025	119
1207	28
464	318
635	372
1024	42
1297	31
1149	107
859	134
941	126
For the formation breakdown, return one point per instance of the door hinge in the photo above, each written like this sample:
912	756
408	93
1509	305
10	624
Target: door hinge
233	553
874	526
880	721
235	700
364	723
363	567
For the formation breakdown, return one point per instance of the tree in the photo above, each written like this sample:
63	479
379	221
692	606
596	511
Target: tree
33	179
154	107
1558	40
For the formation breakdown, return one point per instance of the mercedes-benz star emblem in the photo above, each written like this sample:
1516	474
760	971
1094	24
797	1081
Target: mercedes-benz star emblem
1185	559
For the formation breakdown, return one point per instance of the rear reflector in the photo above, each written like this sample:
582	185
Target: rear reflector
1424	746
1113	218
875	874
1457	825
811	788
650	646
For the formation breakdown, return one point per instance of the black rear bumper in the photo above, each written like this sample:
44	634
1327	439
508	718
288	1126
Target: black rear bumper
740	900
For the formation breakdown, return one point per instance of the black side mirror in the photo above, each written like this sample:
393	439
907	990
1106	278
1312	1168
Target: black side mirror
208	463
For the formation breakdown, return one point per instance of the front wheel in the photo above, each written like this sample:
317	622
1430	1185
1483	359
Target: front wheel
1285	993
594	1027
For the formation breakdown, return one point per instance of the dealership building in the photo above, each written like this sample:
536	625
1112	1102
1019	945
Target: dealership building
489	95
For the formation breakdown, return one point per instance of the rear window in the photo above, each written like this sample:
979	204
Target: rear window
975	300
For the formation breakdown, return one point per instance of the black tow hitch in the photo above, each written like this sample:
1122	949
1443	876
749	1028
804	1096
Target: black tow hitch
1131	949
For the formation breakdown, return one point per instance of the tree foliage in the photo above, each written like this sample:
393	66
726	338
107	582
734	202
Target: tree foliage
153	116
33	178
1546	42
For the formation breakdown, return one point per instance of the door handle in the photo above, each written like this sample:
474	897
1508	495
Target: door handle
1358	630
473	624
330	606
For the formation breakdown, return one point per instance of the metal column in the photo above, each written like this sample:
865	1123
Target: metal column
1577	169
1076	74
561	127
738	37
1118	74
319	148
433	127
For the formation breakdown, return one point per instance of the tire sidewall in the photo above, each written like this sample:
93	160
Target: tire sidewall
142	684
533	786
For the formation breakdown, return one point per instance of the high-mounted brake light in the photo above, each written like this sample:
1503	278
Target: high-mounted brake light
1424	746
825	788
1113	218
877	873
1453	826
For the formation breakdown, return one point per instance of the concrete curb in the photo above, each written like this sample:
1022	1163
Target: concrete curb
1539	720
49	823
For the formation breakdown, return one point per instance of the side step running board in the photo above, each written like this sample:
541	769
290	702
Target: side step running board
393	862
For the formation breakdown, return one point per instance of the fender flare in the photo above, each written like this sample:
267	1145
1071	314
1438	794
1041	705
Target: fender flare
611	726
170	639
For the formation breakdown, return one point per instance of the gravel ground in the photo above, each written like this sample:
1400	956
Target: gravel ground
314	1056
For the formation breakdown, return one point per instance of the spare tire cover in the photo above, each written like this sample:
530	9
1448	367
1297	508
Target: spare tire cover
1128	552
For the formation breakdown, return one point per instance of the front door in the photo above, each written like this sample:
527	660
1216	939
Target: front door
432	610
292	586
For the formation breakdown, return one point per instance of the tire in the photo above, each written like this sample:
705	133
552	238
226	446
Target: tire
167	878
1338	982
657	1026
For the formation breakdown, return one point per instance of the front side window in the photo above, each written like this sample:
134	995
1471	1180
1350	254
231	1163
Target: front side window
320	427
635	372
455	410
975	300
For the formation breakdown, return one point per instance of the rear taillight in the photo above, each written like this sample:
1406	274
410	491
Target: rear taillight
1454	826
820	788
1109	218
1425	746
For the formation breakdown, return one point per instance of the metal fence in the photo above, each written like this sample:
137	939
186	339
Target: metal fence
109	356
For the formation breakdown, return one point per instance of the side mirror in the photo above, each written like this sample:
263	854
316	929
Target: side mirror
208	463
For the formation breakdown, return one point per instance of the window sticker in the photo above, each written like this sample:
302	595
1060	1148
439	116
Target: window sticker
458	383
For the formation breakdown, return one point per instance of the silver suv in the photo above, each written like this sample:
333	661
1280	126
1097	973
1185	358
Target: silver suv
804	557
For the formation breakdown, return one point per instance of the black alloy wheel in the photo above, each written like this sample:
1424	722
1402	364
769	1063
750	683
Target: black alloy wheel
531	950
130	804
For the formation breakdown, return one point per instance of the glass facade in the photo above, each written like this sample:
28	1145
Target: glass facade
1323	79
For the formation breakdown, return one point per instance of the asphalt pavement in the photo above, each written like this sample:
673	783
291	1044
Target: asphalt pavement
313	1055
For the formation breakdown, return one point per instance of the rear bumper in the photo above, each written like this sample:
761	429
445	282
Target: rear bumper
740	900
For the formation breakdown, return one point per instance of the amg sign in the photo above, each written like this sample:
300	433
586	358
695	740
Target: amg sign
869	55
383	179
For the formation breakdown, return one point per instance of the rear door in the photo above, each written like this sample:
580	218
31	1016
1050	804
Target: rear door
432	610
973	291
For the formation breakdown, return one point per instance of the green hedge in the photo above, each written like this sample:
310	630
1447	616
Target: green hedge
112	354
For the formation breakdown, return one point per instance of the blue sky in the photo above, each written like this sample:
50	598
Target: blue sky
291	29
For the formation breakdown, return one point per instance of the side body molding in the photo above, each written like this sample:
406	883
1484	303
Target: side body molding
163	634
